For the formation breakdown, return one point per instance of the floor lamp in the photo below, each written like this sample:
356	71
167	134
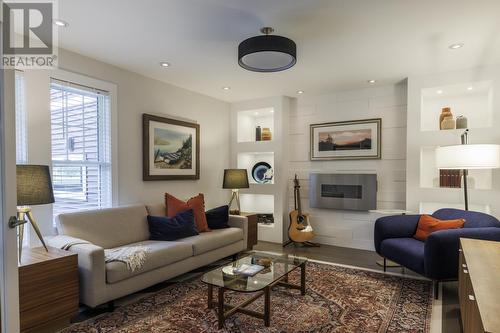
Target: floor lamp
468	157
34	187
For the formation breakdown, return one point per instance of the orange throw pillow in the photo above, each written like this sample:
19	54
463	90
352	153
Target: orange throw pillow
197	204
428	224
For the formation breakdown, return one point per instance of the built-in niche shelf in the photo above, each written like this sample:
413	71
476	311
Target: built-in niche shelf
429	173
248	120
257	203
249	160
471	99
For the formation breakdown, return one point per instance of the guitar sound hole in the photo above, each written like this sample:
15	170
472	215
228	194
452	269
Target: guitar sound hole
300	219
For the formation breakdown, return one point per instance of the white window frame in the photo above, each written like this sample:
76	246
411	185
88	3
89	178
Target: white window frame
111	88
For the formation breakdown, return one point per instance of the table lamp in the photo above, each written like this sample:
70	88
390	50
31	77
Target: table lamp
34	187
235	179
467	157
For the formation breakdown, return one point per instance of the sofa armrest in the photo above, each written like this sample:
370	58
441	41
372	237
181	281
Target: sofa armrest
395	226
238	221
441	250
91	267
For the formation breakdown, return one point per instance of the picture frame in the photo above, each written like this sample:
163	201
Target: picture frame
346	140
171	149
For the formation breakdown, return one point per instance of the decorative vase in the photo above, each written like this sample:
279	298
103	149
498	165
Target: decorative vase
258	134
445	112
448	123
461	122
266	134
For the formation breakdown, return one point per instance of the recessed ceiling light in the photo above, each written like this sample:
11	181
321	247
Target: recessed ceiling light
439	92
164	64
372	81
60	23
256	113
272	111
300	92
456	46
226	88
470	88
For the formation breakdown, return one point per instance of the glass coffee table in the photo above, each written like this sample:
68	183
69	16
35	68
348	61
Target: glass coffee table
261	283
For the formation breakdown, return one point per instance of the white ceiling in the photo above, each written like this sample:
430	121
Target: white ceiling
340	43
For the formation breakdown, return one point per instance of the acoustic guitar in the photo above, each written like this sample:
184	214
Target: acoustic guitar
299	231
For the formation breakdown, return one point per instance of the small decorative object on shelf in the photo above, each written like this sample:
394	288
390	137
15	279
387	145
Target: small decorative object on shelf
265	218
461	122
448	123
450	178
258	134
445	113
266	134
262	172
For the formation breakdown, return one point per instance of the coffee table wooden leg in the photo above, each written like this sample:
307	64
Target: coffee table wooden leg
210	296
267	306
303	279
220	308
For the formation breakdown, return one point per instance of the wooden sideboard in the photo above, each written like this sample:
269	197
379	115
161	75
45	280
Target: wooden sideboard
252	229
48	288
479	285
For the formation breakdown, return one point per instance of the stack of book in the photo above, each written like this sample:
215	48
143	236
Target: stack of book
450	178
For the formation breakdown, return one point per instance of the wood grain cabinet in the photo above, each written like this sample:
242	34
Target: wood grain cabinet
48	288
479	285
252	229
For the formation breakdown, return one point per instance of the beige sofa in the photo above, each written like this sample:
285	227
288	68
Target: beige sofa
93	231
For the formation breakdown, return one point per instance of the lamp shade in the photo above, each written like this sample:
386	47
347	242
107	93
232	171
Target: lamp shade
34	186
468	156
235	178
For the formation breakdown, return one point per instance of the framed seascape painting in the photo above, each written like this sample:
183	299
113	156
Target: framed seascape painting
346	140
171	149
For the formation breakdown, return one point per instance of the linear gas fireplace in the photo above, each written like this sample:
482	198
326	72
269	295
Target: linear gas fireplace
343	191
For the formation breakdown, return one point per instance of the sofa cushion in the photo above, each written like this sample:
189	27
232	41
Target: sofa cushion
408	252
208	241
161	253
218	218
107	228
428	224
197	204
164	228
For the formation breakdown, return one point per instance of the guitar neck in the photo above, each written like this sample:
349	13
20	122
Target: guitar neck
299	205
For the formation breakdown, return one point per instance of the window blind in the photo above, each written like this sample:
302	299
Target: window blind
20	111
81	147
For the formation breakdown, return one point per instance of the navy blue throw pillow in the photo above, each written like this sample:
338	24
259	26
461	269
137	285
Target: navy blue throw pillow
164	228
218	218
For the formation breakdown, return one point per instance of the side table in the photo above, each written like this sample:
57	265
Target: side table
252	229
48	288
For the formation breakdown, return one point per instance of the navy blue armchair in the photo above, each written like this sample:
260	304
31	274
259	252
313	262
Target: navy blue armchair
437	257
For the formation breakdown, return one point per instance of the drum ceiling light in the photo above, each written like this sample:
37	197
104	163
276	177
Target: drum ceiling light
267	53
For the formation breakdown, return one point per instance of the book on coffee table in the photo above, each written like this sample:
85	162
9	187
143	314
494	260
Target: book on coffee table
248	270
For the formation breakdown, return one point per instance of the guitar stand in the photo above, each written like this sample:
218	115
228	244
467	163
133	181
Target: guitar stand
306	243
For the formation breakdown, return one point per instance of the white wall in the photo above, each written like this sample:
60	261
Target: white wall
344	228
136	95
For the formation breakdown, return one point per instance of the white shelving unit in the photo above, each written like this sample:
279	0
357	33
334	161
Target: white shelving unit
472	94
246	152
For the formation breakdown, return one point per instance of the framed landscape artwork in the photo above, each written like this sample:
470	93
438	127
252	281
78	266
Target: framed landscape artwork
171	149
346	140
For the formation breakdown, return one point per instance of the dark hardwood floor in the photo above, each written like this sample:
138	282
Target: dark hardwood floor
368	259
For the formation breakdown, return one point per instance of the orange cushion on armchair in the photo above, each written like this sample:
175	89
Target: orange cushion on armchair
428	224
197	204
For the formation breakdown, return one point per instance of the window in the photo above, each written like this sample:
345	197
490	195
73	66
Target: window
81	147
20	109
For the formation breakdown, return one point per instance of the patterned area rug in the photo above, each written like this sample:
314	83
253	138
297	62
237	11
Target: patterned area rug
338	299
